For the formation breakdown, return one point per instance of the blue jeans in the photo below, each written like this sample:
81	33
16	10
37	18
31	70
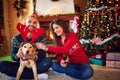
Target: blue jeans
81	71
11	68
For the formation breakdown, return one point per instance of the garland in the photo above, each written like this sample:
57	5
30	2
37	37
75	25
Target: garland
98	41
19	6
96	9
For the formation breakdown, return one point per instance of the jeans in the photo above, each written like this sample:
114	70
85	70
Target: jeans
80	71
11	68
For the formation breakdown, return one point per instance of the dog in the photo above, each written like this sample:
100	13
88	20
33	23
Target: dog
27	48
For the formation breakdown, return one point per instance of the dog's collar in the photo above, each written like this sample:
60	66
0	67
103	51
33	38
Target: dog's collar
24	59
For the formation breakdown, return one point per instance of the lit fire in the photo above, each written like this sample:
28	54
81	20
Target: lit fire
49	35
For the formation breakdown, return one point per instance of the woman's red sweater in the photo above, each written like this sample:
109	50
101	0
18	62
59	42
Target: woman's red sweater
72	48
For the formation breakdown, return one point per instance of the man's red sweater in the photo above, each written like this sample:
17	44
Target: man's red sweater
72	48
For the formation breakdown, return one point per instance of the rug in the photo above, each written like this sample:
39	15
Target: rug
100	73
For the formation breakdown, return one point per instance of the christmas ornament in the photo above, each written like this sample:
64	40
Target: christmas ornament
76	23
19	6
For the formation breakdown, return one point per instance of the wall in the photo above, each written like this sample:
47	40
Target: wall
11	20
82	5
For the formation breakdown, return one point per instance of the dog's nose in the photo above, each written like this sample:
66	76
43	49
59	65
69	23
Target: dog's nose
27	52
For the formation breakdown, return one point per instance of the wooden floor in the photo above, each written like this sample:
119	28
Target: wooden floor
104	73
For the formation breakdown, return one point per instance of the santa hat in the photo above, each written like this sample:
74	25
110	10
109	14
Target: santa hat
34	14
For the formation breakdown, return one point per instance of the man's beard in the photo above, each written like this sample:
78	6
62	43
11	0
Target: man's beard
29	36
31	28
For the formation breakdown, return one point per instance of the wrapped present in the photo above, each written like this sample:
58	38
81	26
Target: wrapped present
113	63
97	61
110	56
113	60
110	64
113	56
117	56
117	64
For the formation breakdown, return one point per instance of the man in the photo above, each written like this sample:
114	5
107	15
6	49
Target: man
43	63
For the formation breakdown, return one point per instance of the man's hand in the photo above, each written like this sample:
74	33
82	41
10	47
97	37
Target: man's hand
28	56
20	53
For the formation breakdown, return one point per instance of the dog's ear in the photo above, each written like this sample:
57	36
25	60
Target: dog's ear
22	44
34	45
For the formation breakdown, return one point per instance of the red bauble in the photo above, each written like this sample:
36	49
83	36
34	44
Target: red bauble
105	52
115	43
109	47
86	49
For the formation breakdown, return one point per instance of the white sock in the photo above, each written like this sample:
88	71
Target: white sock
43	76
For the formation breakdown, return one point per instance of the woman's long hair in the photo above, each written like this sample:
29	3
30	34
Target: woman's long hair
61	23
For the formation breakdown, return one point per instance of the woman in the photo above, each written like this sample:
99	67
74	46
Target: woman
71	58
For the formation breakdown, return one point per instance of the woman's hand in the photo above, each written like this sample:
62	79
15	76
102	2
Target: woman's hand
41	46
63	63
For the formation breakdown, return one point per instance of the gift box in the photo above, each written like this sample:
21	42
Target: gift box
117	56
112	63
96	61
117	64
113	60
110	56
113	56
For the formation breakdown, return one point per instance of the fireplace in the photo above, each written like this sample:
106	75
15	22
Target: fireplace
45	21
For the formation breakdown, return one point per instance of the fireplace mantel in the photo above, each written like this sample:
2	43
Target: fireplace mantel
44	21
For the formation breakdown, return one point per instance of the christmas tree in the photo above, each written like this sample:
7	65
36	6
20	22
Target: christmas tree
100	31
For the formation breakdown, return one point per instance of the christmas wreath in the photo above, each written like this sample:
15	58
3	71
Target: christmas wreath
19	6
